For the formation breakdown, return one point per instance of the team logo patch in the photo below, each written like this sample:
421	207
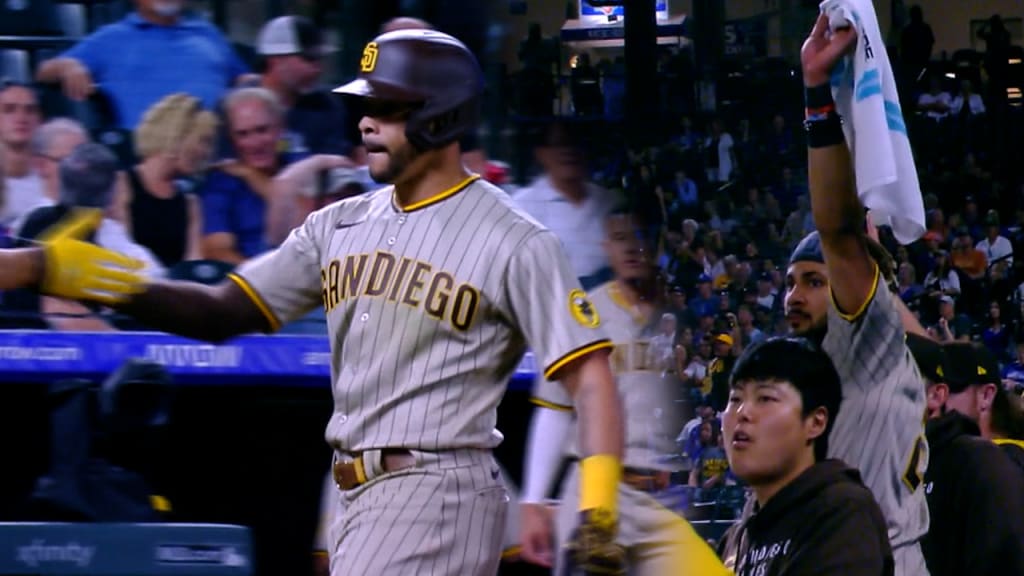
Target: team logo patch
369	59
582	309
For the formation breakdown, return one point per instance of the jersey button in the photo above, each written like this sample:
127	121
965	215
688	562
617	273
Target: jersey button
342	418
391	241
401	219
364	317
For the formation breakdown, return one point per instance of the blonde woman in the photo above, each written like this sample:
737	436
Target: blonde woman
174	141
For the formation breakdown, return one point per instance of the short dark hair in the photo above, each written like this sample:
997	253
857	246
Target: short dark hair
87	176
805	366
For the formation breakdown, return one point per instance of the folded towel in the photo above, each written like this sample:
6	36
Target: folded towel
864	90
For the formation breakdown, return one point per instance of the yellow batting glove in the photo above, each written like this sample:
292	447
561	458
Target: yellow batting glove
592	549
77	270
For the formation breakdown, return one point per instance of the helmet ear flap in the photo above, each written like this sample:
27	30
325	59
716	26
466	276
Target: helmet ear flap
427	131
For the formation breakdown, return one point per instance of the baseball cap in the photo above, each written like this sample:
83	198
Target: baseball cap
929	357
287	35
703	278
947	299
808	250
969	364
724	338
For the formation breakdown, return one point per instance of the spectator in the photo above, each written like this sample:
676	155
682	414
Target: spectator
995	247
809	514
235	195
88	179
950	325
716	382
720	159
710	468
1005	425
660	349
909	289
916	43
936	103
967	101
566	202
942	280
19	120
156	51
974	491
293	52
996	336
749	332
685	201
965	258
1013	372
767	295
174	142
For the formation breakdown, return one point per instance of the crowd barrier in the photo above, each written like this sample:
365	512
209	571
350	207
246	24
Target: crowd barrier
292	360
62	549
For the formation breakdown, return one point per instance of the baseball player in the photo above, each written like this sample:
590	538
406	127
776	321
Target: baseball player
433	288
880	428
68	267
657	540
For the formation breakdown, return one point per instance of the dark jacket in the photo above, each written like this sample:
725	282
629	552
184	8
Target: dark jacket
824	522
1014	449
975	500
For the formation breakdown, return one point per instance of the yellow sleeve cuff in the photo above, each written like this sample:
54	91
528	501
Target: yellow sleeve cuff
599	482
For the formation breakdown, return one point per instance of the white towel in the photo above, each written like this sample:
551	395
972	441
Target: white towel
864	90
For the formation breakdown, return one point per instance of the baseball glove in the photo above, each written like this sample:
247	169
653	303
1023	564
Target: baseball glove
592	550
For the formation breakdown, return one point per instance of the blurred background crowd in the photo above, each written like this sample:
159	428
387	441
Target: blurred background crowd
221	134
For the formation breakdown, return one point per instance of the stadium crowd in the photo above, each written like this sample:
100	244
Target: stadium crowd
224	160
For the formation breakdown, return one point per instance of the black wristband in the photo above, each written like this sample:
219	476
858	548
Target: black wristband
825	133
818	96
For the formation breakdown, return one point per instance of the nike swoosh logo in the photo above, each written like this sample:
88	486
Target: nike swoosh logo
341	225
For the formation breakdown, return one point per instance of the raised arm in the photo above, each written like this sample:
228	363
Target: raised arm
838	213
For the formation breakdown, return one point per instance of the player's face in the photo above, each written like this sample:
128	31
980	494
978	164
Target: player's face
765	435
255	132
807	296
19	115
390	156
626	248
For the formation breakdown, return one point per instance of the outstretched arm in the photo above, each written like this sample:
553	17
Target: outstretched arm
838	213
22	268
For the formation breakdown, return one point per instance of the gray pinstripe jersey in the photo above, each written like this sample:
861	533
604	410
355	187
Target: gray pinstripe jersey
880	426
648	397
429	310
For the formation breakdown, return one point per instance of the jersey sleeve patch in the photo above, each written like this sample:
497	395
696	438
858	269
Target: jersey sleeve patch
583	310
557	365
253	295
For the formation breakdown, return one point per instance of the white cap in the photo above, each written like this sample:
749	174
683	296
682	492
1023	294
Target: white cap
288	35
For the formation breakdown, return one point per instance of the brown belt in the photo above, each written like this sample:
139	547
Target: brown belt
645	480
349	474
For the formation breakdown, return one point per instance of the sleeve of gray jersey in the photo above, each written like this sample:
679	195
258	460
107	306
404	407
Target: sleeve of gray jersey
548	305
869	345
285	283
551	394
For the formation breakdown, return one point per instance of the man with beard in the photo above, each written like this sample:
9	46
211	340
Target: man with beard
656	540
837	295
433	287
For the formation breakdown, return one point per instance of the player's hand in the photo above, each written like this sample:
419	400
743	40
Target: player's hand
822	49
76	81
592	549
78	270
535	534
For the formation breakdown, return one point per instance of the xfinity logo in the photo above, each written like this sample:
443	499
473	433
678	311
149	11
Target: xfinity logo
39	552
199	554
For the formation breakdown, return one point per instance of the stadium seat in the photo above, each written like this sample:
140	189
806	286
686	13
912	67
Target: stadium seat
15	65
72	20
28	18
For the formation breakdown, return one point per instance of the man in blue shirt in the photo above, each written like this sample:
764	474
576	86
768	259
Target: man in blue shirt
151	53
236	195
